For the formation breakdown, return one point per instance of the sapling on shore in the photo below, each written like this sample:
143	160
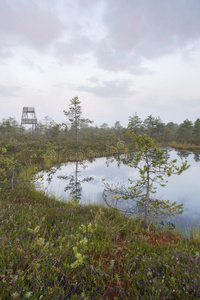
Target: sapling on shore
154	167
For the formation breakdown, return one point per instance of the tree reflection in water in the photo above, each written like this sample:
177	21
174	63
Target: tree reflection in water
183	154
74	181
51	172
197	156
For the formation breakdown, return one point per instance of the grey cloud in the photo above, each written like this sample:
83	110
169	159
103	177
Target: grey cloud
140	30
5	51
114	60
78	45
135	31
59	85
8	91
86	5
32	65
120	35
112	88
23	22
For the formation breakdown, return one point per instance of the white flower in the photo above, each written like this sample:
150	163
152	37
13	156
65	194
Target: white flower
28	295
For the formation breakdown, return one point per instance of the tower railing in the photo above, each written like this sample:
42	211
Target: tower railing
29	117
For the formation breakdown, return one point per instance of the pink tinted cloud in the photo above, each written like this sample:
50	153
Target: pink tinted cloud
24	22
140	30
111	88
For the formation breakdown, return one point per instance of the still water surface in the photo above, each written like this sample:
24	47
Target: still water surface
85	181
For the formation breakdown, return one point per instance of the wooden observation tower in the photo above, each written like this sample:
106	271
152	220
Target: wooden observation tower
29	117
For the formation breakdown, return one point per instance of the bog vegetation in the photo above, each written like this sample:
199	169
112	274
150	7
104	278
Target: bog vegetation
56	250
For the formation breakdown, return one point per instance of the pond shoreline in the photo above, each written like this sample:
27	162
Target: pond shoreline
96	168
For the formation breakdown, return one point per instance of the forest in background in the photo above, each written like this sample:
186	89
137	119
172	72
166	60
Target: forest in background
186	133
23	150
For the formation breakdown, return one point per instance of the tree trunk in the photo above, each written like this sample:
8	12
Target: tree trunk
76	131
147	202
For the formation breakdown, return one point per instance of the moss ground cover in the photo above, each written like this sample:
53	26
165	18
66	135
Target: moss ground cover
57	250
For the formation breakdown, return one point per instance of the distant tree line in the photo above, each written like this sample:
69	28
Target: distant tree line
53	140
23	150
186	132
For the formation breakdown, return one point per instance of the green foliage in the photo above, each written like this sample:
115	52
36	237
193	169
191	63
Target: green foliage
9	170
154	168
196	132
184	131
135	123
74	115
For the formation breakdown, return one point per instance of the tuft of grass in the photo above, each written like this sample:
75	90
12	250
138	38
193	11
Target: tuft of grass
195	234
64	250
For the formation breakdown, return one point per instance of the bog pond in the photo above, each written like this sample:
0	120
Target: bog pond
84	180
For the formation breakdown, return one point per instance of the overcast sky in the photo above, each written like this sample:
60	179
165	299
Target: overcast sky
118	56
